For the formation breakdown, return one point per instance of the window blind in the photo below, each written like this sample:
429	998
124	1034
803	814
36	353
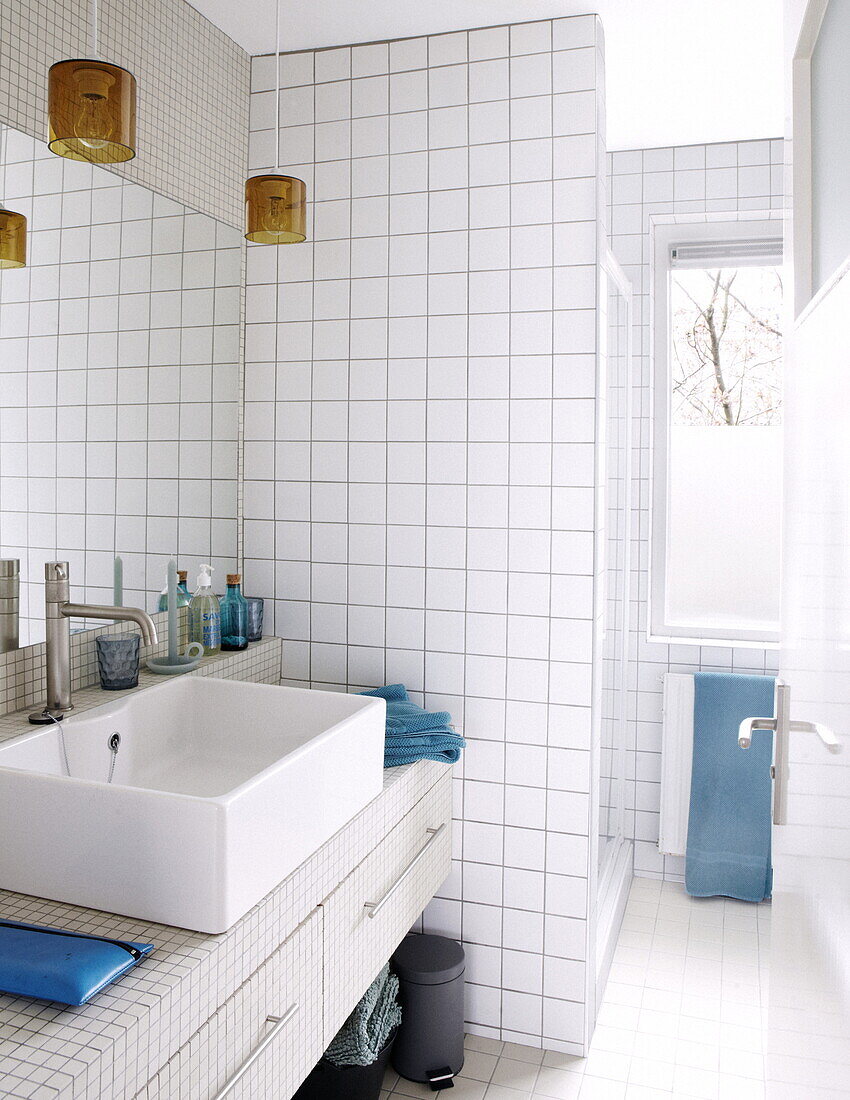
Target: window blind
761	251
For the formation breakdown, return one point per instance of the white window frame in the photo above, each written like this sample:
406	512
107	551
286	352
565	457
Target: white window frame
799	261
664	237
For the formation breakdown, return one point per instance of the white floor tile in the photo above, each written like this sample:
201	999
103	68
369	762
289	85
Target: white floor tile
478	1066
742	1088
597	1088
515	1074
696	1082
556	1059
742	1063
483	1044
522	1053
608	1064
499	1092
618	994
658	1048
558	1083
616	1015
698	1055
616	1039
681	1017
652	1073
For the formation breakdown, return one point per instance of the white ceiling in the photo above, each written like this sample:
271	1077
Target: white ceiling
678	71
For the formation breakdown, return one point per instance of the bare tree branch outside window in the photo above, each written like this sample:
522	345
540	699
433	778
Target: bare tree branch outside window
727	346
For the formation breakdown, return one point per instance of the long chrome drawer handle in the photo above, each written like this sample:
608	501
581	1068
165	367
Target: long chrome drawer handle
280	1023
374	907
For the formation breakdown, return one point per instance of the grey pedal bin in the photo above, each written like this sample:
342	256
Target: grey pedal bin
429	1045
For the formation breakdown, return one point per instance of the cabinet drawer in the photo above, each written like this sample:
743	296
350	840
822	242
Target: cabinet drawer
290	978
367	916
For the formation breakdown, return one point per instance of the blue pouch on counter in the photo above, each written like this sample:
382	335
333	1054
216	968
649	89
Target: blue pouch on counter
54	965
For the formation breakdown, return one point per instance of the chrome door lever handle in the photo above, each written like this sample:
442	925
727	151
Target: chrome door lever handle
824	733
782	727
749	725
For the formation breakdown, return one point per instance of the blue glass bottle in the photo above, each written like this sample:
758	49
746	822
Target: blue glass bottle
184	596
234	615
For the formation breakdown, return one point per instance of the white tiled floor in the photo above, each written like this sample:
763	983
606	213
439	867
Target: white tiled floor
682	1013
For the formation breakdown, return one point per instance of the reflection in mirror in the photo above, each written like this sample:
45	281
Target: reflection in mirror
119	352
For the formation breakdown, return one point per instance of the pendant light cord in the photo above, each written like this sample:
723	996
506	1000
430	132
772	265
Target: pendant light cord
277	86
94	28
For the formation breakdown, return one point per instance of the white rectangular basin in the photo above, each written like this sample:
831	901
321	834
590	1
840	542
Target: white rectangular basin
220	789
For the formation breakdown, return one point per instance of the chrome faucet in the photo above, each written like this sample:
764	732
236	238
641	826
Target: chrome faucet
58	612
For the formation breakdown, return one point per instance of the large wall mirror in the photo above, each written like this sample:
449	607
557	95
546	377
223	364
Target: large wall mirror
119	383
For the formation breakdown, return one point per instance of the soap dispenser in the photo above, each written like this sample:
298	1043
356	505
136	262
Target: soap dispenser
234	615
205	614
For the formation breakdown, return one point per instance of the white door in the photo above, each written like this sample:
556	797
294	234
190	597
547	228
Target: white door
808	1027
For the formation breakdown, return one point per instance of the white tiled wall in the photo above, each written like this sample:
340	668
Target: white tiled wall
193	80
689	180
419	449
119	367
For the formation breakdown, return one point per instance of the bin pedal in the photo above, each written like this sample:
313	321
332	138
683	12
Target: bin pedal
440	1078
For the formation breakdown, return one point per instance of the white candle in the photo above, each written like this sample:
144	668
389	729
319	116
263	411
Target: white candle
172	612
118	583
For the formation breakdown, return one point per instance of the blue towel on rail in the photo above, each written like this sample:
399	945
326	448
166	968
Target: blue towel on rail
729	825
416	734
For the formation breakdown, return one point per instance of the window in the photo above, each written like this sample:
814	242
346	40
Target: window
717	440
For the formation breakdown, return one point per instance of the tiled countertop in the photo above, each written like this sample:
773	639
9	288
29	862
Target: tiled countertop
112	1046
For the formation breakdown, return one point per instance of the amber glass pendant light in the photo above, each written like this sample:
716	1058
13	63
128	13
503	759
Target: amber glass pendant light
276	205
91	108
13	239
13	227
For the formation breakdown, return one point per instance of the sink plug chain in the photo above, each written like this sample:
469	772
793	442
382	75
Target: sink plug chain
58	723
114	744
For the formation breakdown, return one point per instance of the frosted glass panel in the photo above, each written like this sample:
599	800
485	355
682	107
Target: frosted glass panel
615	574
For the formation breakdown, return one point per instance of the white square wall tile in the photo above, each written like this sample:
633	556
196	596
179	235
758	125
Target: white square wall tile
451	453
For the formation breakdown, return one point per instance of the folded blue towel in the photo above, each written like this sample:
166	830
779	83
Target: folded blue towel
729	826
445	750
416	734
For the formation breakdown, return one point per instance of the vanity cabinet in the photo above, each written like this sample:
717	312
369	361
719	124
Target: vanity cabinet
372	910
282	1002
282	1017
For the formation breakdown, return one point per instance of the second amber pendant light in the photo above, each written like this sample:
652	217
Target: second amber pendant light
91	108
276	205
13	226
